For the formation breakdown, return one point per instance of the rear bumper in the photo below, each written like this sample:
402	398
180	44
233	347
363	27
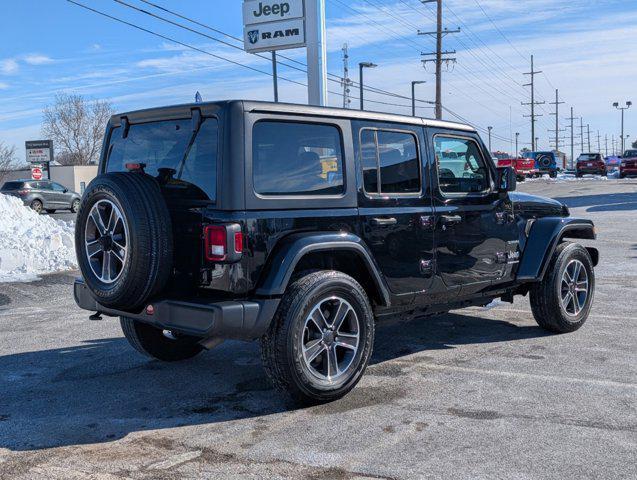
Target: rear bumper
239	320
628	170
591	170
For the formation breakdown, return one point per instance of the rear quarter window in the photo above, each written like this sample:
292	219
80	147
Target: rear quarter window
13	186
182	160
295	159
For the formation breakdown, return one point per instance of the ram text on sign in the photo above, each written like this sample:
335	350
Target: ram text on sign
261	11
274	36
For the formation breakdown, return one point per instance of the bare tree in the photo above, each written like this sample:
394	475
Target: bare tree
76	127
7	160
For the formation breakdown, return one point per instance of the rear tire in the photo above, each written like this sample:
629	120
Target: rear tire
312	364
551	305
152	342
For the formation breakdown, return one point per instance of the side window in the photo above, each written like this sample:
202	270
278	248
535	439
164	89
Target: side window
390	162
44	186
297	159
57	187
461	168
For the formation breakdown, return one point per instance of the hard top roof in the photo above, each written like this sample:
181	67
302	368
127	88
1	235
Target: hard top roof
285	108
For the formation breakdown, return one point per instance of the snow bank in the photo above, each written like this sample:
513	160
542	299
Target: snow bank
569	177
32	244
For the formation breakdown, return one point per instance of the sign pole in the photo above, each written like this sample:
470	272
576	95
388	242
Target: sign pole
316	52
274	77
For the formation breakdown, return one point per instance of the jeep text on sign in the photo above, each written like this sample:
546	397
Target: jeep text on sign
261	11
274	36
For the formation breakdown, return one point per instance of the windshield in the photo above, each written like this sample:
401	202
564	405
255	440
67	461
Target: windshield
588	156
179	158
630	154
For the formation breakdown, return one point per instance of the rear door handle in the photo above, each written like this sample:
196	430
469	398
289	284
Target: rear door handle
450	219
384	222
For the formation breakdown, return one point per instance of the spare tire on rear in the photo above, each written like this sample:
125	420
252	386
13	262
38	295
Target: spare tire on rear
123	239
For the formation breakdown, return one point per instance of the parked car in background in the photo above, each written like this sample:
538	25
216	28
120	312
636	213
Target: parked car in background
523	167
628	166
545	163
612	162
43	195
590	163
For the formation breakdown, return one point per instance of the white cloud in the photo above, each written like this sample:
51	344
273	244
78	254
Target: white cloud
9	66
4	86
37	59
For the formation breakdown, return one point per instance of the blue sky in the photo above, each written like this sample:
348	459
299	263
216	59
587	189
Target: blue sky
586	48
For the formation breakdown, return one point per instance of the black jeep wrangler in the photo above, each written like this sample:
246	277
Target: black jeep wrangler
302	226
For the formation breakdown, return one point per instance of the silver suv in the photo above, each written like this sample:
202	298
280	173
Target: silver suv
43	195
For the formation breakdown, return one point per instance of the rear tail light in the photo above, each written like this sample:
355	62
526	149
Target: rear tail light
223	243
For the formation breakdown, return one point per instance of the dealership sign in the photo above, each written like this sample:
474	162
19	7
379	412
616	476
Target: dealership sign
270	25
39	151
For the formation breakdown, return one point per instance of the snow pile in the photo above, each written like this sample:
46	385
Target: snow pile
32	244
569	177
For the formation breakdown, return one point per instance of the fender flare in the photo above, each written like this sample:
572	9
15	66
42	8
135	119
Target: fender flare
294	247
543	238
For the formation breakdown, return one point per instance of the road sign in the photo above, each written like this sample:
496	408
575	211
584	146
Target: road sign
256	12
274	36
36	173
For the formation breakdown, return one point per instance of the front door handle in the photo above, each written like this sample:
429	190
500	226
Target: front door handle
384	222
450	219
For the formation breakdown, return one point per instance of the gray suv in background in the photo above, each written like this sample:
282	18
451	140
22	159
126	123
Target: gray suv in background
43	195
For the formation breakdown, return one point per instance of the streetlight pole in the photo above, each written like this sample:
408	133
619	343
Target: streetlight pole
361	66
623	140
490	128
413	95
517	150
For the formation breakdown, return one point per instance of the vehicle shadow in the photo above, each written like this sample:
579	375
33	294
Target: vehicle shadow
606	202
101	390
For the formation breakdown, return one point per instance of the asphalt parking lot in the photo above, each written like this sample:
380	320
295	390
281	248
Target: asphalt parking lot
477	393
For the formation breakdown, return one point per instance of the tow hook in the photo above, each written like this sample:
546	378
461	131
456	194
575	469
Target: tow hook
96	316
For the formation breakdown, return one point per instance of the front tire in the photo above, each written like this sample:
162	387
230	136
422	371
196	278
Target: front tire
320	339
153	343
36	206
562	301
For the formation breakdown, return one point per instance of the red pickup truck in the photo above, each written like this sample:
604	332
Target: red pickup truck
524	167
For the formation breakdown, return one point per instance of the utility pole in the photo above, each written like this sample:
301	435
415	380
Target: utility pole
599	144
533	103
588	130
346	83
557	104
613	144
572	119
606	143
581	127
490	128
439	54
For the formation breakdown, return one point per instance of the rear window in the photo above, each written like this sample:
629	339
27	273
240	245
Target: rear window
589	156
297	159
13	186
179	158
630	154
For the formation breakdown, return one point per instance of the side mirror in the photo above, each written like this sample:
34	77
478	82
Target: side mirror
66	190
507	180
